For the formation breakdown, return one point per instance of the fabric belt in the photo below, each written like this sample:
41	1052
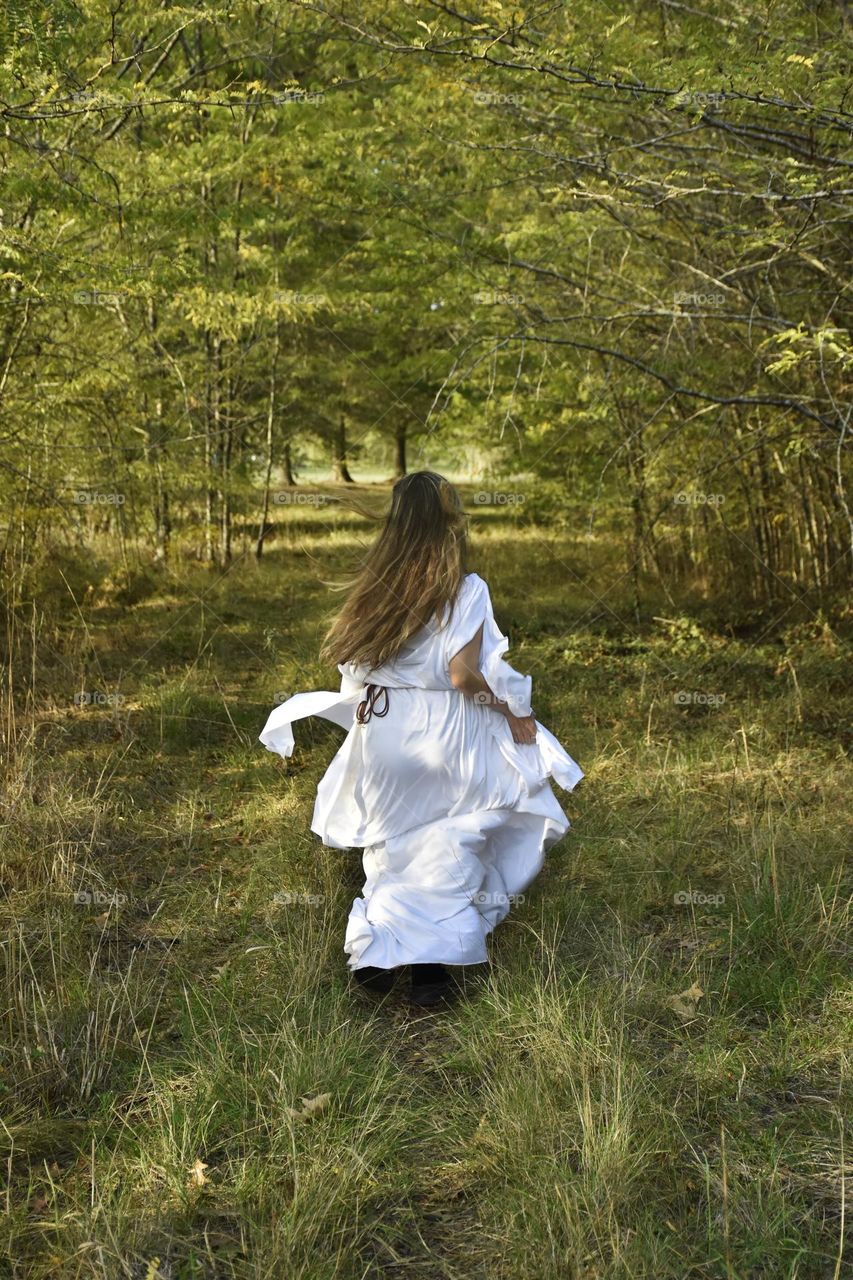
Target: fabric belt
367	707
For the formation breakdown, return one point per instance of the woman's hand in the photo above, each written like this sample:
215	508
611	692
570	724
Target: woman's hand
523	729
466	676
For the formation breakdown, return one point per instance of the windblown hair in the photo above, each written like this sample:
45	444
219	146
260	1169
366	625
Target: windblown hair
412	572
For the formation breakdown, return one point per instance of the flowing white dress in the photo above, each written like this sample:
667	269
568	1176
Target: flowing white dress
454	817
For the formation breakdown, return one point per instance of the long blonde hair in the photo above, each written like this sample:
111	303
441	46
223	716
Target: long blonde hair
412	572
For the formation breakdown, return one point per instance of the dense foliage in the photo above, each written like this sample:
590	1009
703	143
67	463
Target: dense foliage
601	254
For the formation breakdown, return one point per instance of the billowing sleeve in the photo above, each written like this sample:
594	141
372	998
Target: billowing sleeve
537	761
339	707
471	609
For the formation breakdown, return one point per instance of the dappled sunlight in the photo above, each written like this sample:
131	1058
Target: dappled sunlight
174	856
265	265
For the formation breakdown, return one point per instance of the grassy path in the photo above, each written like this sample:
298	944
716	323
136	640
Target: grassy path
647	1081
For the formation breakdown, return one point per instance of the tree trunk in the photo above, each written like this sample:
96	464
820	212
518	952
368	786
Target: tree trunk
212	444
227	436
271	404
213	392
400	455
156	455
162	517
340	470
635	455
287	464
225	511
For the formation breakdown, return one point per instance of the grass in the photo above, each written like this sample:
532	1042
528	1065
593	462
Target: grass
584	1112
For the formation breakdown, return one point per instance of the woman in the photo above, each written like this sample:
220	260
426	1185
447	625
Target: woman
443	776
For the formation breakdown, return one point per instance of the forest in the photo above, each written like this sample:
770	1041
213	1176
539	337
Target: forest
607	251
258	260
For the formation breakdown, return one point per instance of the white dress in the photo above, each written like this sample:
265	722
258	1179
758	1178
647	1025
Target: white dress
454	817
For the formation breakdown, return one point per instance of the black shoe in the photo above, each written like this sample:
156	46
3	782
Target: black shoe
430	984
373	979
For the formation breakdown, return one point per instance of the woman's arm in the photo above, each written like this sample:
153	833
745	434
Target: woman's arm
465	675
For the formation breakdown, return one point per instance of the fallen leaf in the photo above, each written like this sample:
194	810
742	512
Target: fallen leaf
684	1004
310	1106
197	1173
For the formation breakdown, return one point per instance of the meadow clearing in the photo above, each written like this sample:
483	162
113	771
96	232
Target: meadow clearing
647	1080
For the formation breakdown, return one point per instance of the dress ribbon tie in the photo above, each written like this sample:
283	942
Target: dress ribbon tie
367	707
